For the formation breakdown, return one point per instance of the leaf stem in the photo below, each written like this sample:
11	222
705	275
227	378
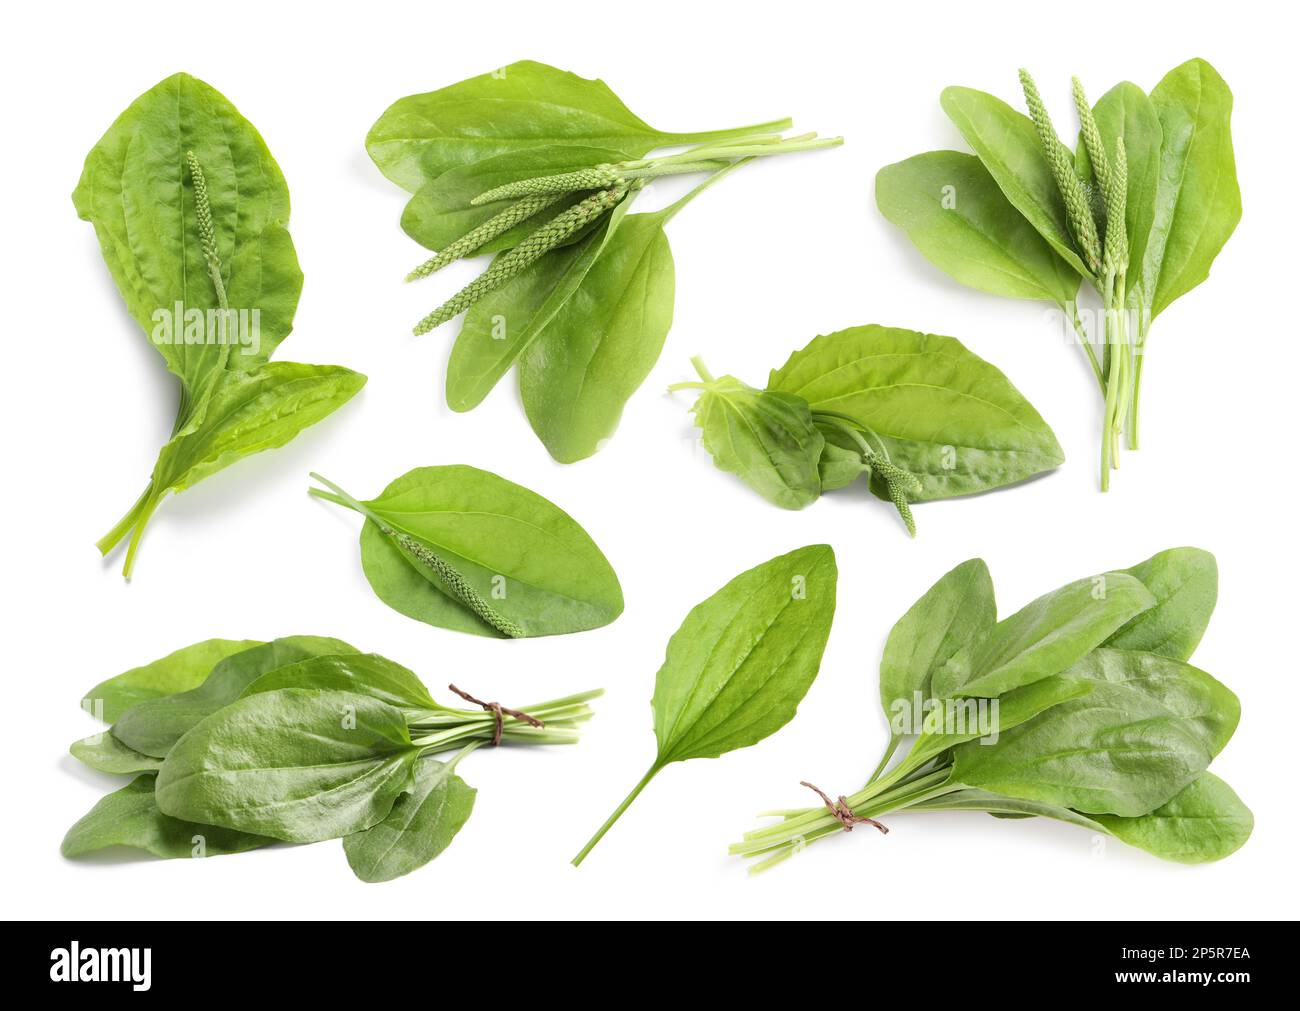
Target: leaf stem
618	812
123	526
710	136
137	533
1072	310
669	212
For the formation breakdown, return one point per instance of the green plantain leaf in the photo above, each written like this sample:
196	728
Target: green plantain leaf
136	191
956	612
1185	583
1147	729
249	412
944	414
154	726
106	753
739	665
296	764
512	109
529	559
1044	637
602	343
766	438
422	824
1198	202
176	672
361	673
130	817
951	208
1008	145
1205	821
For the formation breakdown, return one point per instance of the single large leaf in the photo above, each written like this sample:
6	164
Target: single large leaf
602	343
106	753
153	726
743	659
1185	583
360	673
766	438
1149	726
1044	637
956	612
249	412
297	764
1205	821
1126	111
176	672
513	108
130	817
422	824
1008	145
136	191
1198	202
440	212
739	665
524	555
943	413
951	208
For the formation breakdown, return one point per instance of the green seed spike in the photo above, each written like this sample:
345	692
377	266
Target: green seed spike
455	582
207	234
447	576
488	230
1067	182
898	482
1116	209
508	264
1092	138
597	177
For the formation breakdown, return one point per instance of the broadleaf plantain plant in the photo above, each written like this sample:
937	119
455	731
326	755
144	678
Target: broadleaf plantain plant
541	168
1140	209
298	740
191	210
918	416
1079	707
743	659
464	549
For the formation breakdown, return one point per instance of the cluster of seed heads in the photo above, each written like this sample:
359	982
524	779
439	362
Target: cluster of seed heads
455	582
1105	257
540	242
1078	207
207	233
517	212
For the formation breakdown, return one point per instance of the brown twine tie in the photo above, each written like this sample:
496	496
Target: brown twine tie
499	712
843	813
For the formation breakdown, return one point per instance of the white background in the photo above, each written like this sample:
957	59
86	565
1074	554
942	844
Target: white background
777	254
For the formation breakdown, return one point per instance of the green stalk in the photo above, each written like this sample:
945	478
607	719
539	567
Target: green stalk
706	377
1112	381
618	812
124	526
1072	311
1139	355
669	212
711	136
